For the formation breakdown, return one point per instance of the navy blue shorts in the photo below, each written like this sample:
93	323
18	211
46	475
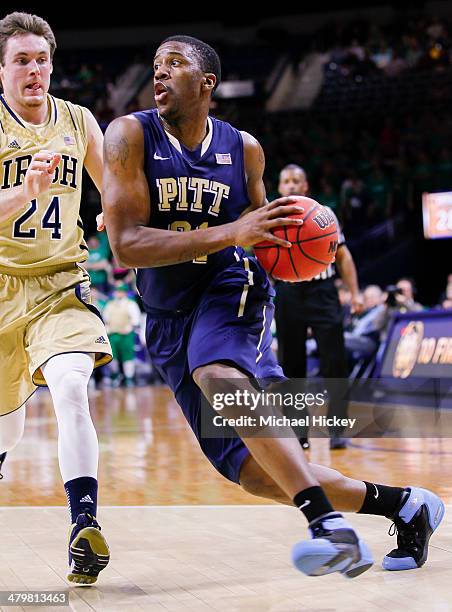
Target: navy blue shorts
231	324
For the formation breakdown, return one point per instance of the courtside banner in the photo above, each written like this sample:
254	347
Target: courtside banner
419	346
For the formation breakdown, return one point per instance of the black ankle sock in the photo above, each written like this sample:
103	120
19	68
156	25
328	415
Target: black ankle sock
81	496
381	499
313	503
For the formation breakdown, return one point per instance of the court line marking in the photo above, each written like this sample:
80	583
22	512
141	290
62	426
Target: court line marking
156	507
400	450
171	507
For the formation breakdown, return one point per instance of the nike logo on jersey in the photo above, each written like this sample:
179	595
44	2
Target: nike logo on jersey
14	145
377	492
160	158
304	504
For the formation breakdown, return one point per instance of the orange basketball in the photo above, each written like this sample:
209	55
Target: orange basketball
314	245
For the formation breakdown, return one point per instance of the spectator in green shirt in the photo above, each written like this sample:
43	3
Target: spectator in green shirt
97	265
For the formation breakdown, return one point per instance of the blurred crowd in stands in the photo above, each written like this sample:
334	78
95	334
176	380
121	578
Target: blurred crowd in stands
364	48
367	171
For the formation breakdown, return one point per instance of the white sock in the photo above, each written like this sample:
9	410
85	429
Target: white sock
11	429
67	377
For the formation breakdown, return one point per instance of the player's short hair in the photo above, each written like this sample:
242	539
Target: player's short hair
18	23
293	167
209	60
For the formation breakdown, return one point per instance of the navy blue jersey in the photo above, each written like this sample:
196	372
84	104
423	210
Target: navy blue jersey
190	190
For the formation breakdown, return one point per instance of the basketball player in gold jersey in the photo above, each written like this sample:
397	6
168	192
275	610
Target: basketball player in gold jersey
50	334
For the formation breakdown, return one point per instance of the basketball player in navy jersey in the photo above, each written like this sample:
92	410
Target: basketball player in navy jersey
182	195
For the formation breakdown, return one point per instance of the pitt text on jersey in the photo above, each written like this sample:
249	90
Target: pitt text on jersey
188	193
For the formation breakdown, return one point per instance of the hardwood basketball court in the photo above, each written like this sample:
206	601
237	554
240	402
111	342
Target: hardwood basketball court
183	538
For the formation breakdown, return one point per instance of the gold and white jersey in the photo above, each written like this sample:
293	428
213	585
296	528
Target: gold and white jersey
48	234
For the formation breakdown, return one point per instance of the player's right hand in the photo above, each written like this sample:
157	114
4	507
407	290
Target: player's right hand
40	173
100	222
256	225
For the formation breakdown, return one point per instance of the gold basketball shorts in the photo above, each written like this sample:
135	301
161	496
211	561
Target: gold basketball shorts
40	317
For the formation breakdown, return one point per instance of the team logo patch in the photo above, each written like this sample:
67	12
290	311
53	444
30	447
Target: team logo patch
407	350
14	145
69	140
223	158
101	340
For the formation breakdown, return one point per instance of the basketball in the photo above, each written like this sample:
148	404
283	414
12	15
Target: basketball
314	245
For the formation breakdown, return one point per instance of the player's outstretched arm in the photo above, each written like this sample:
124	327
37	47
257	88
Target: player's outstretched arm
38	178
127	210
94	153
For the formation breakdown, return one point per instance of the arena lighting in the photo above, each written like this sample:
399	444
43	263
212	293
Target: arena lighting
236	89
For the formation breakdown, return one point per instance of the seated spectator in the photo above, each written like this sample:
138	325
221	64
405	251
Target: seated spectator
445	300
363	340
446	303
97	264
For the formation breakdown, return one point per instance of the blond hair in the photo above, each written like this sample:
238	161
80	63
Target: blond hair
17	23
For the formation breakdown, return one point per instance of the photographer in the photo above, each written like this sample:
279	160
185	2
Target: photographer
404	296
399	298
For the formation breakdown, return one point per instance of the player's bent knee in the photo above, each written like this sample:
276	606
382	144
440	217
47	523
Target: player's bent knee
204	375
255	481
74	383
255	484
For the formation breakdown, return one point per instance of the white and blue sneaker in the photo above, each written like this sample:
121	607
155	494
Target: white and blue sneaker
334	547
419	515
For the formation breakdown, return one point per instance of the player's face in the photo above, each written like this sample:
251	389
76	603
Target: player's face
178	79
26	70
292	182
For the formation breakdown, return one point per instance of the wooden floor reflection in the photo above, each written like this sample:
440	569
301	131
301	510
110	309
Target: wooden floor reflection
149	456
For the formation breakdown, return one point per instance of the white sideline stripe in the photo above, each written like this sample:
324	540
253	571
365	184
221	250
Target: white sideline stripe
261	336
246	286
